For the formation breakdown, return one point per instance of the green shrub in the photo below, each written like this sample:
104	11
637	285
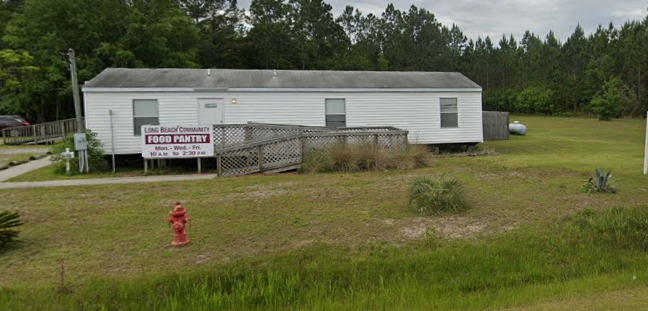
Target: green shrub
96	159
8	221
601	182
535	100
500	99
436	195
608	104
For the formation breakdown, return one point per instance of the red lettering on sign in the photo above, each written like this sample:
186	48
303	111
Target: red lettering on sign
177	139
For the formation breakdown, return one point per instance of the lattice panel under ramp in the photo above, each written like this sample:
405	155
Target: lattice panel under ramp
239	162
282	153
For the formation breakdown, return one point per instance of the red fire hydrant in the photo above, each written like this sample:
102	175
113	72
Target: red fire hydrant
178	220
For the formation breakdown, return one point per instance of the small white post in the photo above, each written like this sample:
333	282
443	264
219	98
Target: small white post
646	148
67	155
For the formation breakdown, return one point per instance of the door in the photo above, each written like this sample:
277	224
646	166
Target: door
210	110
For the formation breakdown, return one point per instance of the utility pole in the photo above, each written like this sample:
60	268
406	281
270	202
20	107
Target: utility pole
75	91
80	139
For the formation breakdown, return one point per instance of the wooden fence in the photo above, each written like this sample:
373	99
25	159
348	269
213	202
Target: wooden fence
495	125
39	133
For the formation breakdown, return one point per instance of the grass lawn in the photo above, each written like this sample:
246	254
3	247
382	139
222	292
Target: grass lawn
51	173
5	159
347	241
18	153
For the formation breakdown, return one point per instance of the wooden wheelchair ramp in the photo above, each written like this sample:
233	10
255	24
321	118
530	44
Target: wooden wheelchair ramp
263	148
39	133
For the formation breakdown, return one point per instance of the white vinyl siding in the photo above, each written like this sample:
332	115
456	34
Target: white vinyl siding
173	108
335	109
449	113
145	112
417	112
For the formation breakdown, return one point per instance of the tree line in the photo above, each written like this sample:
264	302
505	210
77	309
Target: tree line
605	72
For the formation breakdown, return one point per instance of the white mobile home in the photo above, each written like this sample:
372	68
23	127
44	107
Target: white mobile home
435	107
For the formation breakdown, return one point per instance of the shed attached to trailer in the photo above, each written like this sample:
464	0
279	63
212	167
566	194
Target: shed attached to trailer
435	107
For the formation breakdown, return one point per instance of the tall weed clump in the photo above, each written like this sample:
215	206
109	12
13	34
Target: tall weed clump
341	157
313	161
401	159
432	195
420	155
370	157
347	157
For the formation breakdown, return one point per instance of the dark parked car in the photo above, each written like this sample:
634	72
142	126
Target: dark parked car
12	121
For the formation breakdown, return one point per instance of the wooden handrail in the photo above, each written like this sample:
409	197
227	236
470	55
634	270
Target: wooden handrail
41	132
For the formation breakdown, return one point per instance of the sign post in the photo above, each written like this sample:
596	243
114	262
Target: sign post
177	142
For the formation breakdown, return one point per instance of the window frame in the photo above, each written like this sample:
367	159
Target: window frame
137	131
456	112
327	114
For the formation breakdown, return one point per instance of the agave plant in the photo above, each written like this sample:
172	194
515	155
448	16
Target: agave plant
8	220
601	182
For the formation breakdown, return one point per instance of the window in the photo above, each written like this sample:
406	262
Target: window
335	112
449	113
145	112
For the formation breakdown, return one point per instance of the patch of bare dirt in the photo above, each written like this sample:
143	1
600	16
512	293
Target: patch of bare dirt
487	176
516	174
265	191
202	259
268	193
269	186
447	227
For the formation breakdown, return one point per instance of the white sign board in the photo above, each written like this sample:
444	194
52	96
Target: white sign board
177	141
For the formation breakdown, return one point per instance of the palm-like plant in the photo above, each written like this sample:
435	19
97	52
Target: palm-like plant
436	195
8	220
601	182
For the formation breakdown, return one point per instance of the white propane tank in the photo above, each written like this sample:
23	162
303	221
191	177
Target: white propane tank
517	129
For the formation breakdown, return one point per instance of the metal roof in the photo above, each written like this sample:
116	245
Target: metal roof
279	79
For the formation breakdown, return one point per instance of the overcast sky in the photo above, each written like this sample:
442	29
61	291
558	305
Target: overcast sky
497	17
